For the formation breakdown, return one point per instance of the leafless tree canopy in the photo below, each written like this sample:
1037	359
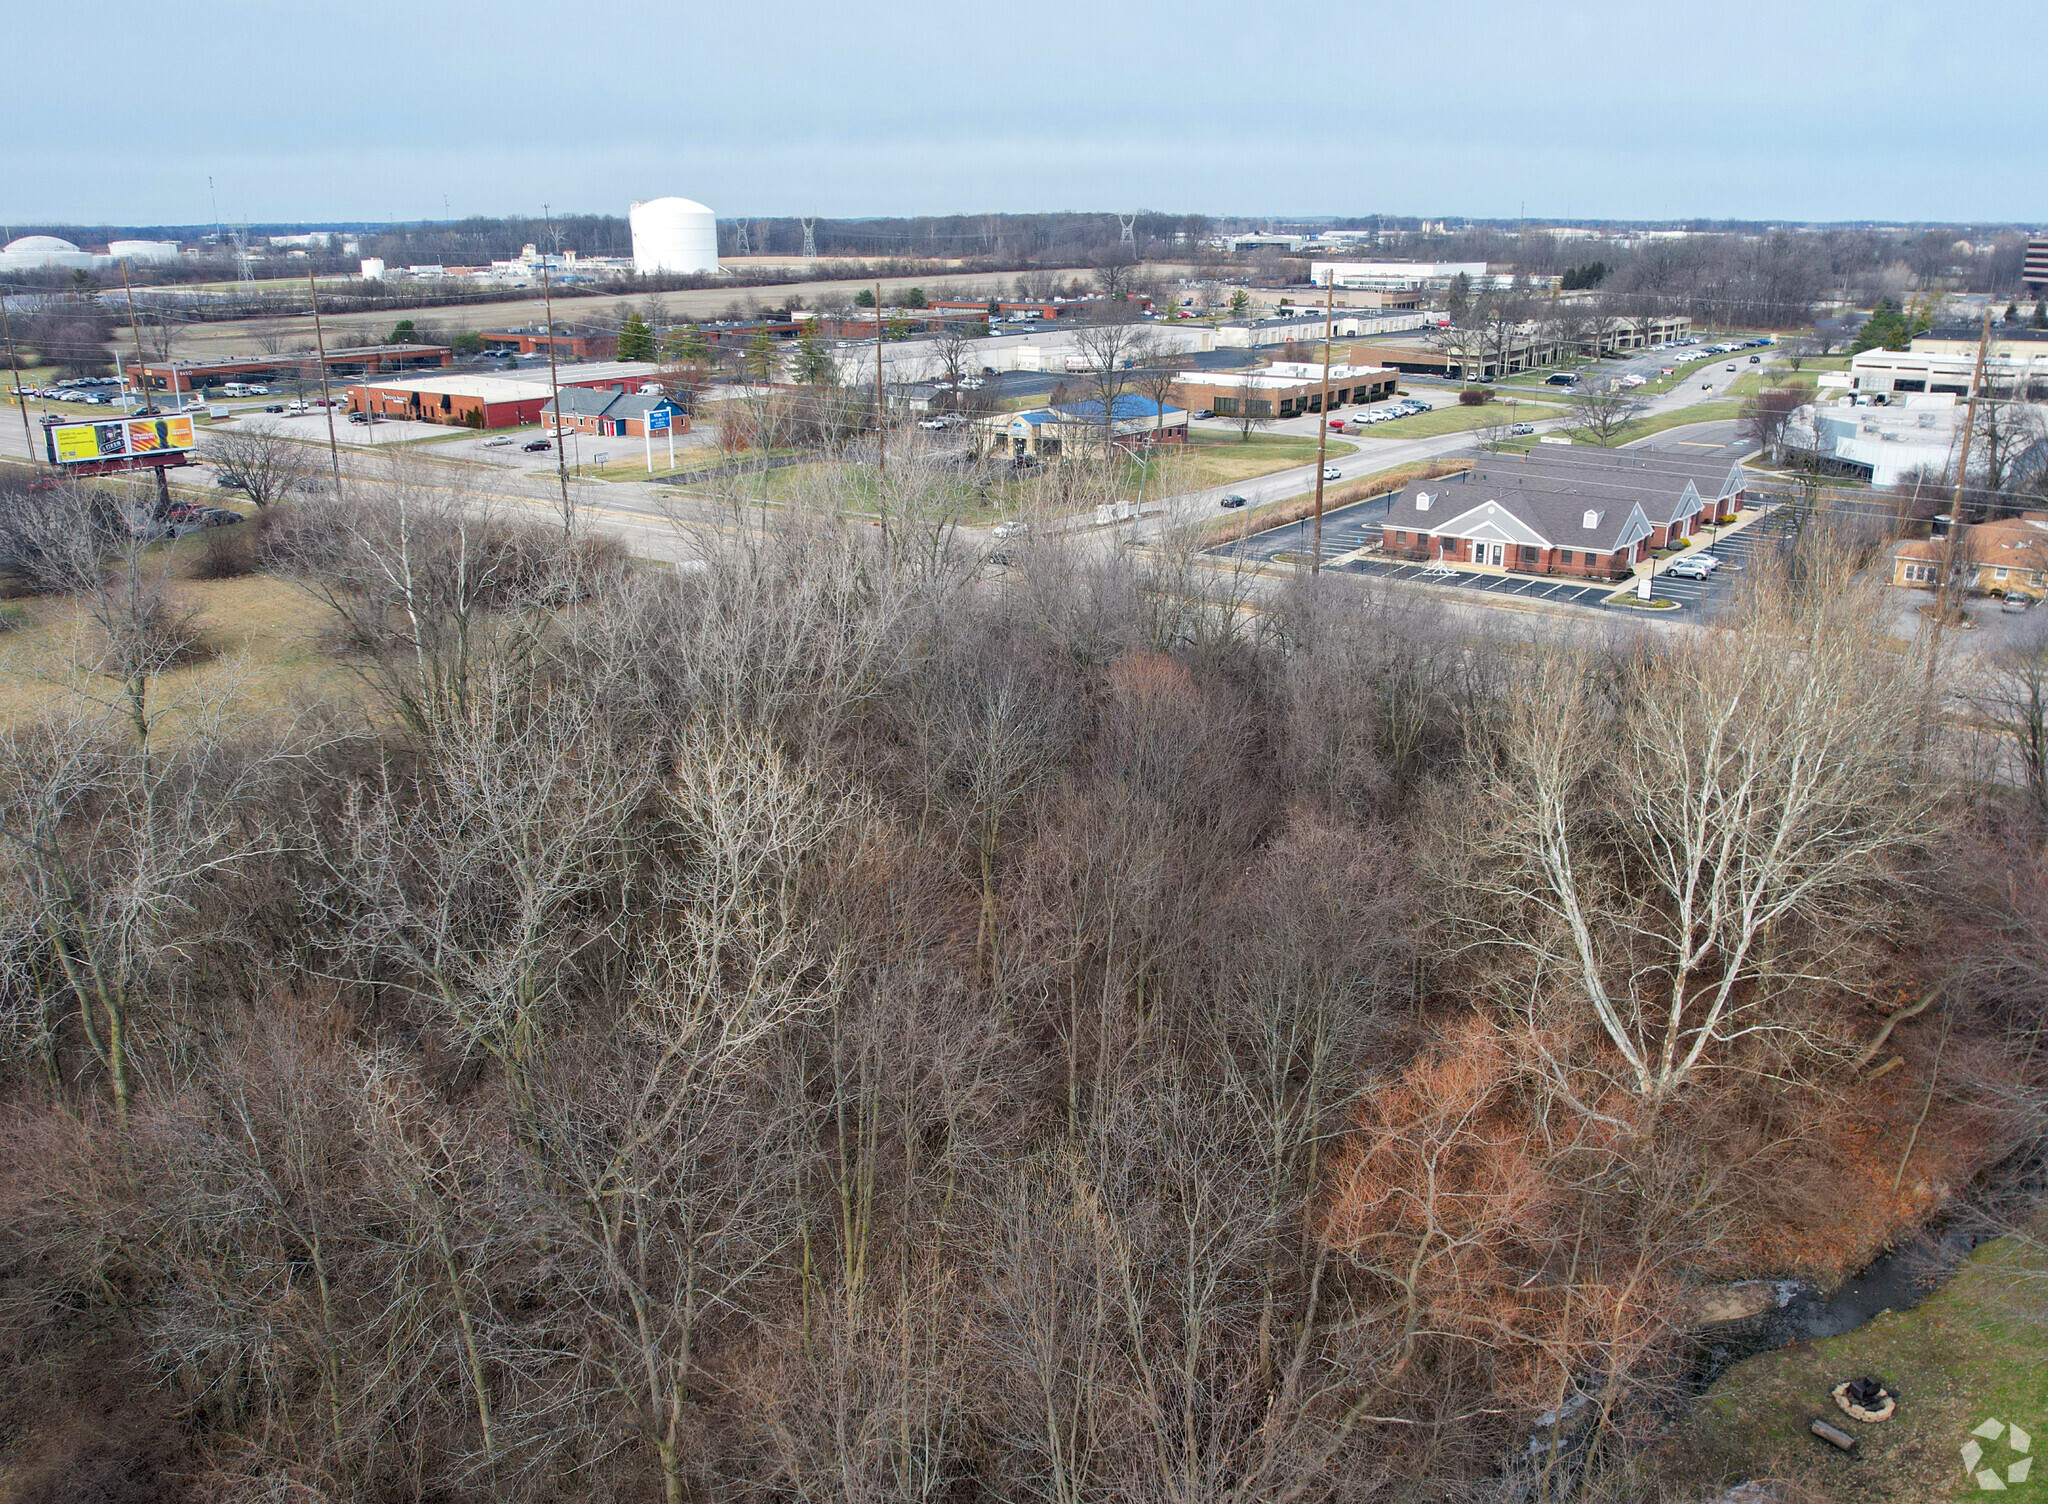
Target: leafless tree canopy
265	461
848	1022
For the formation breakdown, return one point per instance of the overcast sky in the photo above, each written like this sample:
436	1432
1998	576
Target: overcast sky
1799	109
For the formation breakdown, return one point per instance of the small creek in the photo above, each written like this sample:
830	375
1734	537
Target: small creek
1896	1280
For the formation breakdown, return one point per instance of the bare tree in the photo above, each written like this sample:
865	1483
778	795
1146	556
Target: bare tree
261	460
1601	416
1113	348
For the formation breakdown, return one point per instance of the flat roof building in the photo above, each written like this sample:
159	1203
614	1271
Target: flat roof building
1284	390
2034	273
196	375
489	401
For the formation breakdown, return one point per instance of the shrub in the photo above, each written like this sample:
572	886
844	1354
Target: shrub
1475	396
225	553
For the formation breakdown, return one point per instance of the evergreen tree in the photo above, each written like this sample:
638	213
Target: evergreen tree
1887	328
814	365
914	298
865	298
636	339
2012	312
1240	302
688	347
402	333
759	361
2040	318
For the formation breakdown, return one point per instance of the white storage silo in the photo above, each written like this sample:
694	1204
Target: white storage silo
674	235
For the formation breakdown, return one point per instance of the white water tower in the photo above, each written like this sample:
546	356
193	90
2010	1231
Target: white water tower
674	235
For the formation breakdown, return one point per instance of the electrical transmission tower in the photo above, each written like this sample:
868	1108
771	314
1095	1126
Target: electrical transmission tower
244	270
1130	234
810	239
739	239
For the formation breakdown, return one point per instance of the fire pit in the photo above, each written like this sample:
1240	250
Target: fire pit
1865	1399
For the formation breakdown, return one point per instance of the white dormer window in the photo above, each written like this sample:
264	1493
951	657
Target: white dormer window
1421	501
1591	519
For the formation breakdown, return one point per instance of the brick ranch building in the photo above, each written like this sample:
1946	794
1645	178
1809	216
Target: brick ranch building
605	414
487	401
1595	514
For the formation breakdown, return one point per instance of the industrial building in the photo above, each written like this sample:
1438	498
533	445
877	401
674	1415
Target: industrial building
486	401
198	375
590	344
1308	324
673	236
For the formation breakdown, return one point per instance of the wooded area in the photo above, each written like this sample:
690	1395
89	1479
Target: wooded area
837	1025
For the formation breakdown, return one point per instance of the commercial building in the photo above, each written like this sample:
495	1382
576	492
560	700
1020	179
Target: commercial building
2035	271
610	414
1887	444
198	375
1283	390
1562	511
487	401
1943	360
1048	432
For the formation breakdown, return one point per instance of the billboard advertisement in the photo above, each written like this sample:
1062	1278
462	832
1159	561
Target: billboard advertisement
120	438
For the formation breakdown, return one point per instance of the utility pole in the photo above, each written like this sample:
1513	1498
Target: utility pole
1315	562
14	375
881	404
326	396
135	328
1951	559
163	486
554	382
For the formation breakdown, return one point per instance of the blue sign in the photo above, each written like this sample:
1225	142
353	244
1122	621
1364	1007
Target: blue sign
657	420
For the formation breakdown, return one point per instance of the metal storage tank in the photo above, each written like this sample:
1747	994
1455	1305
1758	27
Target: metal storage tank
143	250
674	235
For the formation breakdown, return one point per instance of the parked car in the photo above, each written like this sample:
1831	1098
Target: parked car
931	422
273	407
296	408
504	441
360	418
1691	567
1337	424
1730	366
1562	378
1756	360
1203	413
229	483
1712	561
1010	530
1232	501
535	446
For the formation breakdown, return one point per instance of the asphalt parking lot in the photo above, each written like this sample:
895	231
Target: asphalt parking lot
1358	525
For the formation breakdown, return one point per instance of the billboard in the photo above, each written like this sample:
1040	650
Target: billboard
120	438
